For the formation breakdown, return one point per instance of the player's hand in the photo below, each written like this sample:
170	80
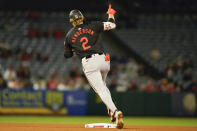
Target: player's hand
111	11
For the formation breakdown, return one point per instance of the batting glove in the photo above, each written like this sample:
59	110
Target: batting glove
111	11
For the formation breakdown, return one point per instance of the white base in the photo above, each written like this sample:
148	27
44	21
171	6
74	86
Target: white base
100	125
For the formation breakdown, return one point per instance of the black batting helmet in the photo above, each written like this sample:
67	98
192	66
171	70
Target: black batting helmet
75	15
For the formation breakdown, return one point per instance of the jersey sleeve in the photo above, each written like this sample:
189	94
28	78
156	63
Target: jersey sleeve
109	26
67	50
104	26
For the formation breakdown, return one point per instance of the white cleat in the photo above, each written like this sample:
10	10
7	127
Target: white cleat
119	120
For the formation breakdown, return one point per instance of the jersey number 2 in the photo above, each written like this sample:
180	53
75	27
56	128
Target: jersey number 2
84	41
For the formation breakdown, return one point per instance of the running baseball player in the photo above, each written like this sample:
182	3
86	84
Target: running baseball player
82	40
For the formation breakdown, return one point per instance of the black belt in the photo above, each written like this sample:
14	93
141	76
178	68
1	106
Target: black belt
89	56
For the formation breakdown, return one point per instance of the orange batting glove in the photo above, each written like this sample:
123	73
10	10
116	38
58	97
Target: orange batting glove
111	11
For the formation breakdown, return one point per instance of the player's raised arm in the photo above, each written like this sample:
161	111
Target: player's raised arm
110	24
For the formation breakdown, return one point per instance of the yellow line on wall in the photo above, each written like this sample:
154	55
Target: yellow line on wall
33	111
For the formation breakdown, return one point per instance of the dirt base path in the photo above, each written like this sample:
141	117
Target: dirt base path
61	127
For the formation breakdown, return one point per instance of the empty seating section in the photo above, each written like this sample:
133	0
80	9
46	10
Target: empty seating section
14	27
173	35
19	22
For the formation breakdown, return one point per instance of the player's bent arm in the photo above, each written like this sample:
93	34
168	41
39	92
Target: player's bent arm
68	52
110	24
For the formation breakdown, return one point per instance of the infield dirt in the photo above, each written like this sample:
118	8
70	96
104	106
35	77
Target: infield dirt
66	127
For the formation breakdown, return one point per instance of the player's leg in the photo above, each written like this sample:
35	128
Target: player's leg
110	113
117	115
104	71
96	82
95	79
92	69
104	75
104	68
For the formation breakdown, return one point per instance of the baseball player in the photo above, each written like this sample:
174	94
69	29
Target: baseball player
82	40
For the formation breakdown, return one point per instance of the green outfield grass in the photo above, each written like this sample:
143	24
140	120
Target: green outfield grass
157	121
